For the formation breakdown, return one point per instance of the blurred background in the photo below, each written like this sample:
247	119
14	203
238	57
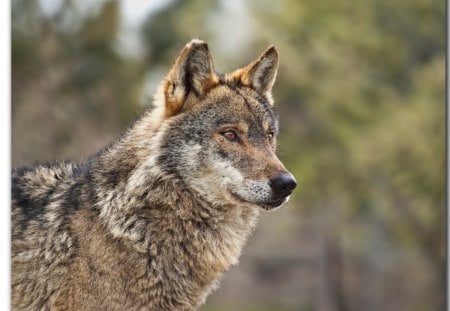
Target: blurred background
360	93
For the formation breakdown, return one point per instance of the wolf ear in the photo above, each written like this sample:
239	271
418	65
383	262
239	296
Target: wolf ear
191	75
261	73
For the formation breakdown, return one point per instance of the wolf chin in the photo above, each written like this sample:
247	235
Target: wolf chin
152	221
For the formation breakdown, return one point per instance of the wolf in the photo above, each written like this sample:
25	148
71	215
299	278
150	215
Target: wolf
153	220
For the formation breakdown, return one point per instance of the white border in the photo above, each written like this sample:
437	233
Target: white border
5	154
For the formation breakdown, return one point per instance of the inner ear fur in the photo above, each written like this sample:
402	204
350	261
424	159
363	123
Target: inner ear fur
192	75
261	73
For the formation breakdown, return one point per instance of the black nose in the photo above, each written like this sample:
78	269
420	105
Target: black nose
282	185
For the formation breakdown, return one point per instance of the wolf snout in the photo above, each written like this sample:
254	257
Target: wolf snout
283	185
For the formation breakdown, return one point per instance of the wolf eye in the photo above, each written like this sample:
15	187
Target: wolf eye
231	135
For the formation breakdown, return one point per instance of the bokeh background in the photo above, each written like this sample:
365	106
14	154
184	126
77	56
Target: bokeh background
360	94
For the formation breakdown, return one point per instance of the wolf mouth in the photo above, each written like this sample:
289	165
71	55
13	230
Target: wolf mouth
265	205
273	204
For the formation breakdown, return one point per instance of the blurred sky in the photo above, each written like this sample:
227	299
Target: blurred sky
133	12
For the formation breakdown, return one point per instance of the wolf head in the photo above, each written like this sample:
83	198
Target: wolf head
220	131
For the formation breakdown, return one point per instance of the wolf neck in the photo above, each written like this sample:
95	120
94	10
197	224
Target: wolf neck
161	217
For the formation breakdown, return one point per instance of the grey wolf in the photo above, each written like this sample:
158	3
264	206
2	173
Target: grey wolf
152	221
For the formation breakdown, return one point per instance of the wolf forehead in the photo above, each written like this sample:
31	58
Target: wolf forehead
228	104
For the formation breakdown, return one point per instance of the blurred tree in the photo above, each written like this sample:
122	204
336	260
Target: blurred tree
366	81
61	72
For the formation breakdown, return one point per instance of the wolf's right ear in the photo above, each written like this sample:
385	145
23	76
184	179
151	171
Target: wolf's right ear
192	75
261	73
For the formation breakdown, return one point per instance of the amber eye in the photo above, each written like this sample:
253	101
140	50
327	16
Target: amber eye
231	135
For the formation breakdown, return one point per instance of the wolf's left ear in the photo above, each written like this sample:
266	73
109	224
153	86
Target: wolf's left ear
192	75
261	73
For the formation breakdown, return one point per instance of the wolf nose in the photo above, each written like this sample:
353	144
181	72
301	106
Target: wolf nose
282	185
